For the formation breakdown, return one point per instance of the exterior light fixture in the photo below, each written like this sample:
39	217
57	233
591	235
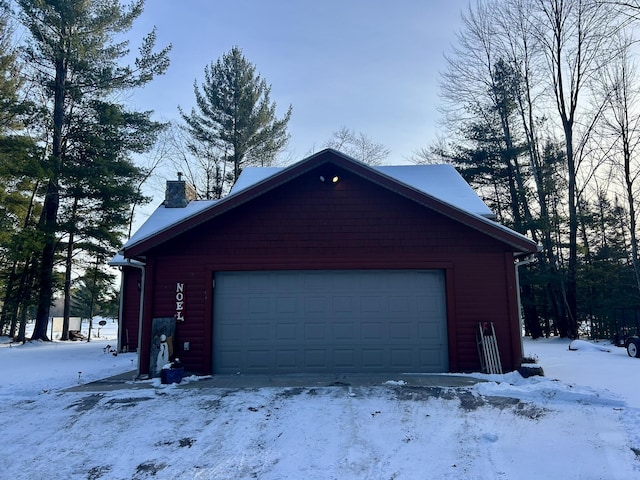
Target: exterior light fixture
334	179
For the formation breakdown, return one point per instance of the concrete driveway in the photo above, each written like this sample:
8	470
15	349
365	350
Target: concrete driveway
128	381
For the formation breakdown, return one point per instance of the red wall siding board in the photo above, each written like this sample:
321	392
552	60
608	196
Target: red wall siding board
306	224
514	314
130	315
148	302
483	294
207	331
452	330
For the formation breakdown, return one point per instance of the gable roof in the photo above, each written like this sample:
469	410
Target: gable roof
445	192
441	181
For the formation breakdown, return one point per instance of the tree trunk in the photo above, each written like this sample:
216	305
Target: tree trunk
15	288
67	274
628	181
8	317
530	312
572	297
49	226
546	258
45	281
22	300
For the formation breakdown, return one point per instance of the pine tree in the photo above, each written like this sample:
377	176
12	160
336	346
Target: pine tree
235	117
10	78
100	184
75	55
20	177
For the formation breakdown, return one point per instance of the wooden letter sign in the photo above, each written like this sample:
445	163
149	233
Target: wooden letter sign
180	302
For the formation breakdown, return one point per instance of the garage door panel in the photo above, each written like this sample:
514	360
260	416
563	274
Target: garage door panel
230	360
315	358
261	333
369	282
402	358
398	281
313	281
372	304
287	359
375	358
430	357
373	331
403	304
236	282
344	358
259	359
430	305
343	306
259	286
428	282
329	321
315	305
283	283
431	331
258	306
402	331
287	305
344	332
343	281
286	332
231	332
315	332
233	306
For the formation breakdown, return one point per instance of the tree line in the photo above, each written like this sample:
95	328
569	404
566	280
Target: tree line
69	182
66	175
540	106
539	102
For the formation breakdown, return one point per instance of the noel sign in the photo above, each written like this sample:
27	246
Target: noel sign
180	303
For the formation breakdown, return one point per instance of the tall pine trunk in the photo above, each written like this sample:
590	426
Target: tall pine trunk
67	277
49	225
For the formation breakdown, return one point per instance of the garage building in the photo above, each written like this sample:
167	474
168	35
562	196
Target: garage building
326	266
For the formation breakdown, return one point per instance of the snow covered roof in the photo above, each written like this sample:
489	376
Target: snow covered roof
441	181
119	261
163	218
252	175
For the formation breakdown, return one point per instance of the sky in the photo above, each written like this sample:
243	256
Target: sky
369	65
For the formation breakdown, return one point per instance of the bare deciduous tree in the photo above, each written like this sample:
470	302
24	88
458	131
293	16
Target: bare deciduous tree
358	146
576	38
621	91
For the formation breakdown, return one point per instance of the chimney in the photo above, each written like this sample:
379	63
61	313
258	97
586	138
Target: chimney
179	193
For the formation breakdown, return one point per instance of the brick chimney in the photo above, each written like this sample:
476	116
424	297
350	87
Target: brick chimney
179	193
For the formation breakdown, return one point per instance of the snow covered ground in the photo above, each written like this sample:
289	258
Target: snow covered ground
580	421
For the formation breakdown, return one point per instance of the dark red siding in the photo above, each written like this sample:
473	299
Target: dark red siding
354	224
130	314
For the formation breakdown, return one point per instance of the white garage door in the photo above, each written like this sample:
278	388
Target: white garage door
330	321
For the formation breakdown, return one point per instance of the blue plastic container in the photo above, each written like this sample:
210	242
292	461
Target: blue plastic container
171	375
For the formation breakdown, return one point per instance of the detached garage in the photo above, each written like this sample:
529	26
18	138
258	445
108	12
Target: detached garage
326	266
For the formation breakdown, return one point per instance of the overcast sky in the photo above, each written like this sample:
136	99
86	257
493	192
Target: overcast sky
370	65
